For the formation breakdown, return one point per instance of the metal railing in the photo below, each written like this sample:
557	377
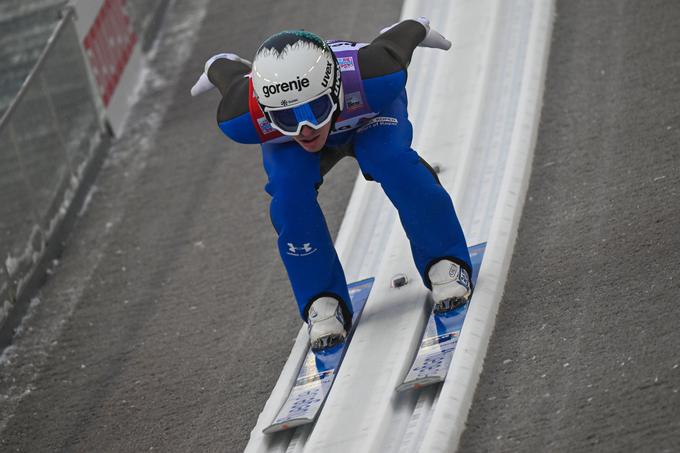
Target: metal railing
47	136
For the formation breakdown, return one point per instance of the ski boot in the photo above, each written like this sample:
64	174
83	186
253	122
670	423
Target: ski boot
450	285
325	323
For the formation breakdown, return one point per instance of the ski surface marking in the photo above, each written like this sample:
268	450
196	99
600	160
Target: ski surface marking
440	337
318	371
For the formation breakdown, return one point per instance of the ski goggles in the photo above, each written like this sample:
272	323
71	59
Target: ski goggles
315	114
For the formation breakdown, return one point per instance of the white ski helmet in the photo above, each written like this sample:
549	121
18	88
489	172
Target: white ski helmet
296	80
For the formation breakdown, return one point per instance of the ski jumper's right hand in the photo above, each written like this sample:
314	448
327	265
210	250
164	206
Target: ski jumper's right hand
433	38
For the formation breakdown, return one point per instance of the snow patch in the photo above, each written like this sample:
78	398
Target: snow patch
7	355
11	264
4	310
88	199
32	307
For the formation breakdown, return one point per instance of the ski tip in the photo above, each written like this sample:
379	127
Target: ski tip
275	429
406	386
288	424
418	384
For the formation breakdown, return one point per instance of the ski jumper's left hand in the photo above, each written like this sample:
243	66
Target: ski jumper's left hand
203	83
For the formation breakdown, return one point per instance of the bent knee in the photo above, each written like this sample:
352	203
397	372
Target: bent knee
394	164
291	184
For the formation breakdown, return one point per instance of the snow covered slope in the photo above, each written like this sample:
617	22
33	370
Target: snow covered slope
475	111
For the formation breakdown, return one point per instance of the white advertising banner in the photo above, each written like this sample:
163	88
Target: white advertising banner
113	54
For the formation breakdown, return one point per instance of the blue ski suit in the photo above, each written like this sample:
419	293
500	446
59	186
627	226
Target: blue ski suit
379	137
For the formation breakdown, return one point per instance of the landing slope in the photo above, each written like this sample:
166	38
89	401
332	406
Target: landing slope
585	353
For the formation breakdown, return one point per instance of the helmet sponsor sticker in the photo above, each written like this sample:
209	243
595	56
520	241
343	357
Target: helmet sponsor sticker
287	102
327	74
346	63
293	85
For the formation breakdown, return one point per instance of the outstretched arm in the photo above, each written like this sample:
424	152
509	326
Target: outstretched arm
230	77
392	50
229	74
230	67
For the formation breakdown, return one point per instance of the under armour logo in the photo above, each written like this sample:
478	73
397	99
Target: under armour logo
305	250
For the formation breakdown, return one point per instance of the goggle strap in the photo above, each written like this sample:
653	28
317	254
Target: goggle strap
304	113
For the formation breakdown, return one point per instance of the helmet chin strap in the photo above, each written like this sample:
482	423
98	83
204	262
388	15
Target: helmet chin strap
341	98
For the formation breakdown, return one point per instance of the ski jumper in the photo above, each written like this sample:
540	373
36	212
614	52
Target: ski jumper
375	129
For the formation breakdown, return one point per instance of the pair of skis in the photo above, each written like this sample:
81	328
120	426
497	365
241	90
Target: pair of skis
319	369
